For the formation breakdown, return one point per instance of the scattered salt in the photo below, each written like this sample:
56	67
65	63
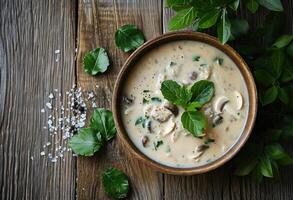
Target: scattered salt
51	96
42	153
42	110
49	105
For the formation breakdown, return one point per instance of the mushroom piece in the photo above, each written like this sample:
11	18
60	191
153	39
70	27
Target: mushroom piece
144	140
196	156
149	126
205	73
173	108
168	128
160	114
127	100
218	119
202	147
193	76
220	103
239	100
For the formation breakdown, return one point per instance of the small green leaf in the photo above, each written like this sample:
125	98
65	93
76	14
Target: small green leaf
283	41
194	122
86	142
263	77
274	5
115	183
234	5
202	91
256	174
246	167
96	61
157	144
140	120
209	19
182	19
252	5
277	62
102	121
156	99
223	28
193	106
175	93
128	37
283	95
239	27
270	95
290	50
287	74
178	5
266	167
276	152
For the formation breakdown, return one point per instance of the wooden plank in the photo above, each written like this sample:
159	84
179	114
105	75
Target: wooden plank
220	184
97	23
30	32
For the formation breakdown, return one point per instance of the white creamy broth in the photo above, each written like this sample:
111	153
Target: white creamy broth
148	117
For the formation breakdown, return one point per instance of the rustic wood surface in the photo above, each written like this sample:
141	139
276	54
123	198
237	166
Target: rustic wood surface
30	32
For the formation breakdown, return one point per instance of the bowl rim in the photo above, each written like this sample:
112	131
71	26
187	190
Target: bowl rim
176	36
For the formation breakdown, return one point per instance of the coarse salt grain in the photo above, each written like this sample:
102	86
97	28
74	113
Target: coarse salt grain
51	96
49	105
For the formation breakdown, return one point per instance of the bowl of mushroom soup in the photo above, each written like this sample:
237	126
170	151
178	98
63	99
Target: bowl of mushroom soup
184	103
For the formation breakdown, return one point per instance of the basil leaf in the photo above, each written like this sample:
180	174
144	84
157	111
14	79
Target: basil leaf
175	93
252	5
274	5
269	96
246	167
276	152
202	91
290	50
102	121
223	28
86	142
263	77
239	27
283	95
96	61
182	19
256	174
178	5
283	41
266	167
194	122
115	183
235	5
209	19
277	62
128	37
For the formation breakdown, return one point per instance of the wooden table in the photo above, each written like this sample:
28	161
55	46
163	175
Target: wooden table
30	32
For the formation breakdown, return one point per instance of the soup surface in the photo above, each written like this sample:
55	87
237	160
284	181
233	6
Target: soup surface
154	124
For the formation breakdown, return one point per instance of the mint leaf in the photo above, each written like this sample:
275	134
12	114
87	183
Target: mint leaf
274	5
283	95
202	91
283	41
86	142
252	5
263	77
277	62
246	167
194	122
276	152
209	19
115	183
175	93
128	37
266	167
182	19
102	121
223	28
96	61
269	96
234	5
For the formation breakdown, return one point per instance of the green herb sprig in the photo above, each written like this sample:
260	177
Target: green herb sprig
191	100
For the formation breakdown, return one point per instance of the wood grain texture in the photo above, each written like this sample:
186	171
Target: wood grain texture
97	24
220	183
30	31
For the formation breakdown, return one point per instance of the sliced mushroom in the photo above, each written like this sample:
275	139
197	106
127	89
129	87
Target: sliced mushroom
127	100
193	76
205	73
218	119
173	108
160	114
202	147
220	103
168	128
196	155
239	100
144	140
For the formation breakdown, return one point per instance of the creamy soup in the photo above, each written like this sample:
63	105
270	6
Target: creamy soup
154	124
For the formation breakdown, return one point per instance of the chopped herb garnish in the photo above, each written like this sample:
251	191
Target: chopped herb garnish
219	61
203	65
144	101
157	144
209	141
146	91
195	58
156	99
140	120
172	63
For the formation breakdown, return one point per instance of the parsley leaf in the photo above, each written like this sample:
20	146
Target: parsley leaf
102	121
128	37
86	142
96	61
115	183
194	122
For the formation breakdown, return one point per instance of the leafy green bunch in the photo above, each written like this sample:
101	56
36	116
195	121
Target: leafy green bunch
191	100
202	14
